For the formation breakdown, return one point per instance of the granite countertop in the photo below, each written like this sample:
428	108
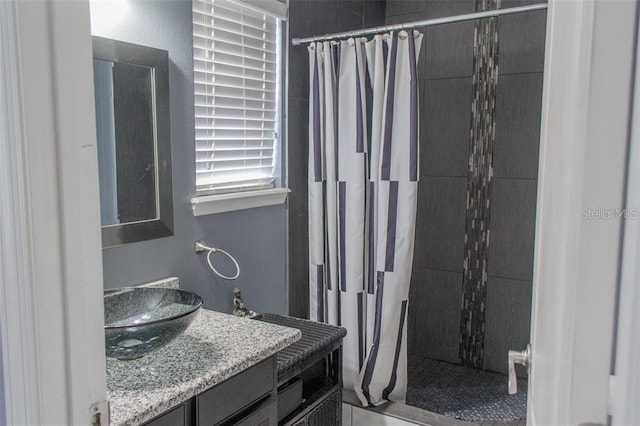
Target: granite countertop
215	347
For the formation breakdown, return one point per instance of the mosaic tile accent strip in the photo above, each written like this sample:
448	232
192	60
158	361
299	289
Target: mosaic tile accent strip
478	210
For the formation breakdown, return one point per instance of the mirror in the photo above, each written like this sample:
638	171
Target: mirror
131	85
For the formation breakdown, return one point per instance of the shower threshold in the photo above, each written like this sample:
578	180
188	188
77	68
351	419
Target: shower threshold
410	415
407	414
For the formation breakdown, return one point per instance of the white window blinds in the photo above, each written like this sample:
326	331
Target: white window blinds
237	87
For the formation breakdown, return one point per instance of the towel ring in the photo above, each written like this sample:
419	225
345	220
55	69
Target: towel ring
201	247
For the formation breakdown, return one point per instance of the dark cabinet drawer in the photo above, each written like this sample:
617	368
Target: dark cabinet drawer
267	415
175	417
231	396
289	398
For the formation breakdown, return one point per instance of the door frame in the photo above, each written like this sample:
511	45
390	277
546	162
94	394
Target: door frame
52	338
590	46
626	395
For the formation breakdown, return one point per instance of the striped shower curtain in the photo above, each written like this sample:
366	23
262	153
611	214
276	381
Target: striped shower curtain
362	202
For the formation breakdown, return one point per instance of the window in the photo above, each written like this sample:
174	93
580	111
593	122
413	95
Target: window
238	75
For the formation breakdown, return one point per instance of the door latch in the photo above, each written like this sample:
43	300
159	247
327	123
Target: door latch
99	413
517	357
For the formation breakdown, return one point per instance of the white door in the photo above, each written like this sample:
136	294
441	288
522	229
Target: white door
586	98
51	320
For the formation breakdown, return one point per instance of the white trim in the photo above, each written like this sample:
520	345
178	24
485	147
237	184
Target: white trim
60	243
19	347
588	63
220	203
272	7
626	393
78	204
569	31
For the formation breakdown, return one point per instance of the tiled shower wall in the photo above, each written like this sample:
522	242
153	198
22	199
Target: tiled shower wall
306	18
446	63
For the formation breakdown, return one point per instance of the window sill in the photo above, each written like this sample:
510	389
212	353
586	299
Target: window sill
220	203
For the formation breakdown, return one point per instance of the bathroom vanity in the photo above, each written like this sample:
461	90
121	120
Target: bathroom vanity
222	370
309	374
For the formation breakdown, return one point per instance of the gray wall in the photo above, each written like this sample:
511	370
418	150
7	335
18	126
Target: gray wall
311	17
256	237
445	65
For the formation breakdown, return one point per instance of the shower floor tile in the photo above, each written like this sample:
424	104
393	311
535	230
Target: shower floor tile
467	394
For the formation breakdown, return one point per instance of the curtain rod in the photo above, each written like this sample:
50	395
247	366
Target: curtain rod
419	24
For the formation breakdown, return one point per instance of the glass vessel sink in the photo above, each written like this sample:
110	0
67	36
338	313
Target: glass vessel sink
140	320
